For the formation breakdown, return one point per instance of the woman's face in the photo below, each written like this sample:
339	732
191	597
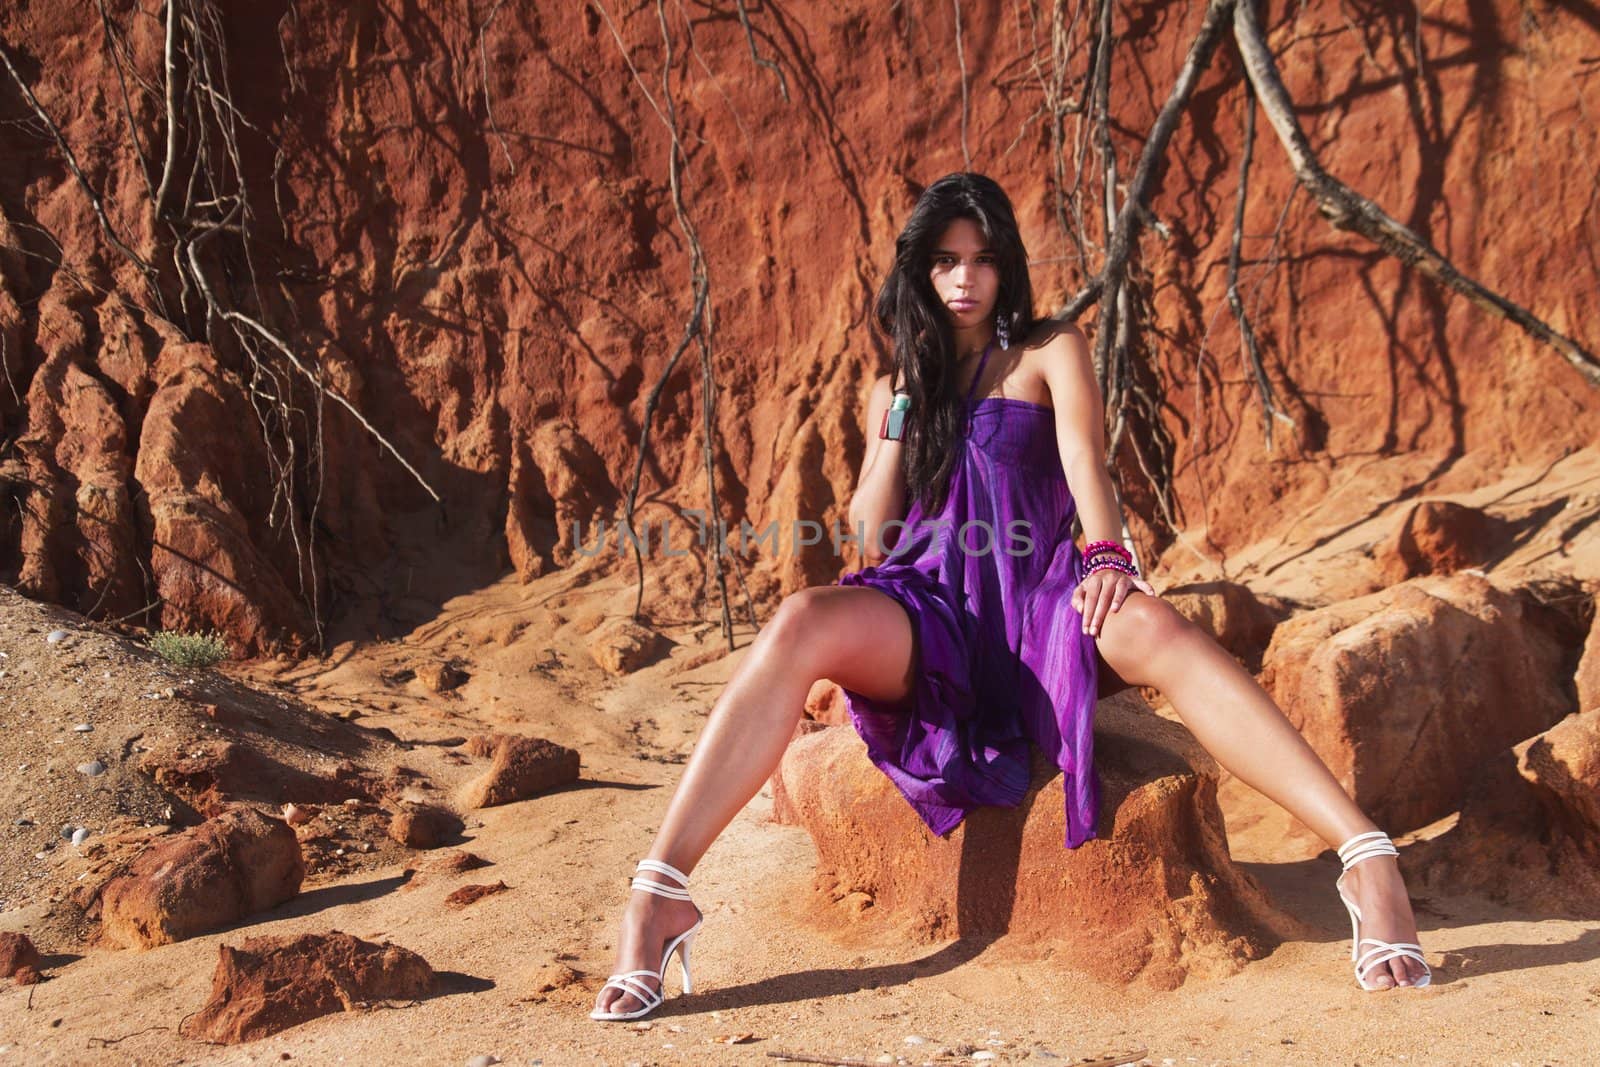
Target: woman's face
964	274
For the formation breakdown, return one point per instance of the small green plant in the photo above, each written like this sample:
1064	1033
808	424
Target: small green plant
189	650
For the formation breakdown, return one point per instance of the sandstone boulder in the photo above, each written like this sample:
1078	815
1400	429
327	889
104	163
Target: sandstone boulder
1439	537
825	704
1529	832
269	984
471	894
623	646
1405	691
523	767
1155	897
1241	622
212	775
441	677
1589	669
236	864
423	825
16	953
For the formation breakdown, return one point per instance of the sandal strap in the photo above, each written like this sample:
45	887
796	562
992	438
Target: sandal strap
1366	846
661	889
646	996
637	974
1383	952
667	869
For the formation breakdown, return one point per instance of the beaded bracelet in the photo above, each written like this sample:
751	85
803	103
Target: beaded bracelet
1096	547
1109	562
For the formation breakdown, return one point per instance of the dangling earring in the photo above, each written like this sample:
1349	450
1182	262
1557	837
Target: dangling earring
1002	331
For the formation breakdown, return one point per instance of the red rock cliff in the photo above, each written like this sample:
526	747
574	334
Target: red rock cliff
462	223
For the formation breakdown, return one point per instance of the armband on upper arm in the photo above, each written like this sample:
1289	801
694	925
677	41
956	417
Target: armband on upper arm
894	418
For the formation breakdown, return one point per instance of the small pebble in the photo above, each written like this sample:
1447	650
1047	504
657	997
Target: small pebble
40	855
93	768
643	1026
913	1039
24	821
55	637
67	830
338	852
80	835
986	1054
363	846
484	1060
83	728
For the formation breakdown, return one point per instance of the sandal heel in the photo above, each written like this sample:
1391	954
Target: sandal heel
1363	847
633	982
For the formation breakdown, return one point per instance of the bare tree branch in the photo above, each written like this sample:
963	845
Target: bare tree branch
1247	334
750	35
961	60
1345	209
172	106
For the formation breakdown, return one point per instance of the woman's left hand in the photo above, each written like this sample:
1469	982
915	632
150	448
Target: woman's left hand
1102	592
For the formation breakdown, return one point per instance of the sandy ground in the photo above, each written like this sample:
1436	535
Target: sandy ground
773	962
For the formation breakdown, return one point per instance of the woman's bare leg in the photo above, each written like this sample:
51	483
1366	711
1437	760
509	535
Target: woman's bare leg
857	637
1149	643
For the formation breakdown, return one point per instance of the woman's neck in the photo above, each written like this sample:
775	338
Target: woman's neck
972	340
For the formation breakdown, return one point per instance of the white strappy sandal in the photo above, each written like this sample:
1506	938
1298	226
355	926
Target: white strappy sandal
1358	848
629	981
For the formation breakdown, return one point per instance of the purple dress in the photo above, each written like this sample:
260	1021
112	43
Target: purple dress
1003	659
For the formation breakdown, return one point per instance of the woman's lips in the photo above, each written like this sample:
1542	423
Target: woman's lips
963	305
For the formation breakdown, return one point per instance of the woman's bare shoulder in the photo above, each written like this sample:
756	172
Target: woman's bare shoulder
1053	333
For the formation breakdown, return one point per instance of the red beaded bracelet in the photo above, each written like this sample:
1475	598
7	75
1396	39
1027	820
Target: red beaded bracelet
1096	547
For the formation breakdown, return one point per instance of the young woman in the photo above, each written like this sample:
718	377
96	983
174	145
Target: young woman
978	626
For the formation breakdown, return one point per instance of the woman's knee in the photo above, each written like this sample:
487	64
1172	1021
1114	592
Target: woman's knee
800	629
857	638
1144	627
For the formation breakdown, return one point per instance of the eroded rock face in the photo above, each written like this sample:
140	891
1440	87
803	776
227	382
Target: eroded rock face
236	864
268	984
1404	692
77	536
1439	537
1155	898
1529	831
559	489
204	470
525	403
523	767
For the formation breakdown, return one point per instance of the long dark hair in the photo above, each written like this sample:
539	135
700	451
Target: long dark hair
911	313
